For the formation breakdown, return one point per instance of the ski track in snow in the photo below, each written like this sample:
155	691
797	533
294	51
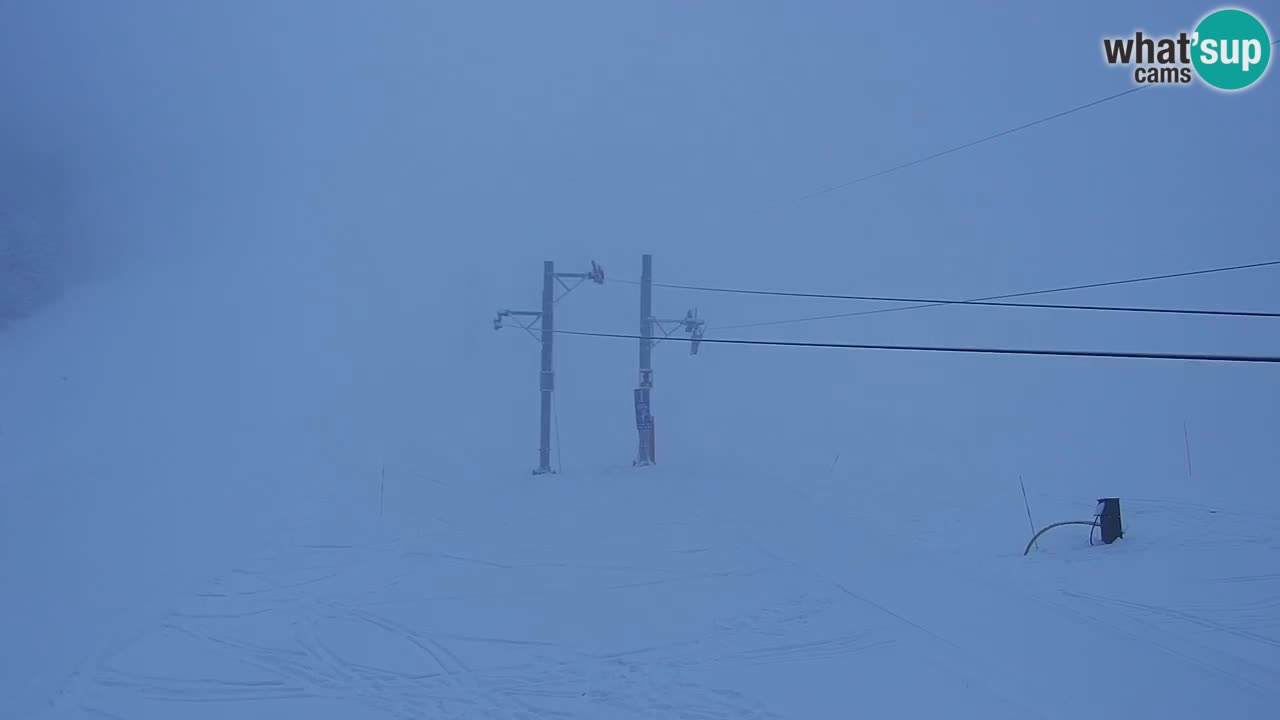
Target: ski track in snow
691	605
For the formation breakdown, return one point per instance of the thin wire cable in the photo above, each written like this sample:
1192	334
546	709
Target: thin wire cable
980	141
555	410
1087	286
1050	306
972	143
1267	359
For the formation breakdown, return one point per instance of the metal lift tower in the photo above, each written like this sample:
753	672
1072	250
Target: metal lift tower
646	454
546	336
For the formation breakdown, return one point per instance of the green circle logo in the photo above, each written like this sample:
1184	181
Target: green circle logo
1232	49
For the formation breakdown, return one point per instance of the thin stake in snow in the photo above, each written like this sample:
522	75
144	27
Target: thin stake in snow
1187	439
1028	506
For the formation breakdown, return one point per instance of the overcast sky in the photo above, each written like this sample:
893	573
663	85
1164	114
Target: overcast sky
416	161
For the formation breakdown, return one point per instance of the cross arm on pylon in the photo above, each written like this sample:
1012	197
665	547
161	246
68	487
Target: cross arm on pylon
595	275
690	323
533	316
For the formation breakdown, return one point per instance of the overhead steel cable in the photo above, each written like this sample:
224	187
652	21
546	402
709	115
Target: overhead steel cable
1266	359
988	299
930	302
979	141
972	143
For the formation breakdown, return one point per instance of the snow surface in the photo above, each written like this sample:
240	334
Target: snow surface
232	504
714	592
262	455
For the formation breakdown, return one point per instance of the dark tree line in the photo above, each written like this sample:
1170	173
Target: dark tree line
35	242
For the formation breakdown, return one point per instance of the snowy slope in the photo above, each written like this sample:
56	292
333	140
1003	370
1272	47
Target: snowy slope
192	524
716	592
193	461
285	235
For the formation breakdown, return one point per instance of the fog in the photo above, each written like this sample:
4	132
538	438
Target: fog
306	214
401	169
